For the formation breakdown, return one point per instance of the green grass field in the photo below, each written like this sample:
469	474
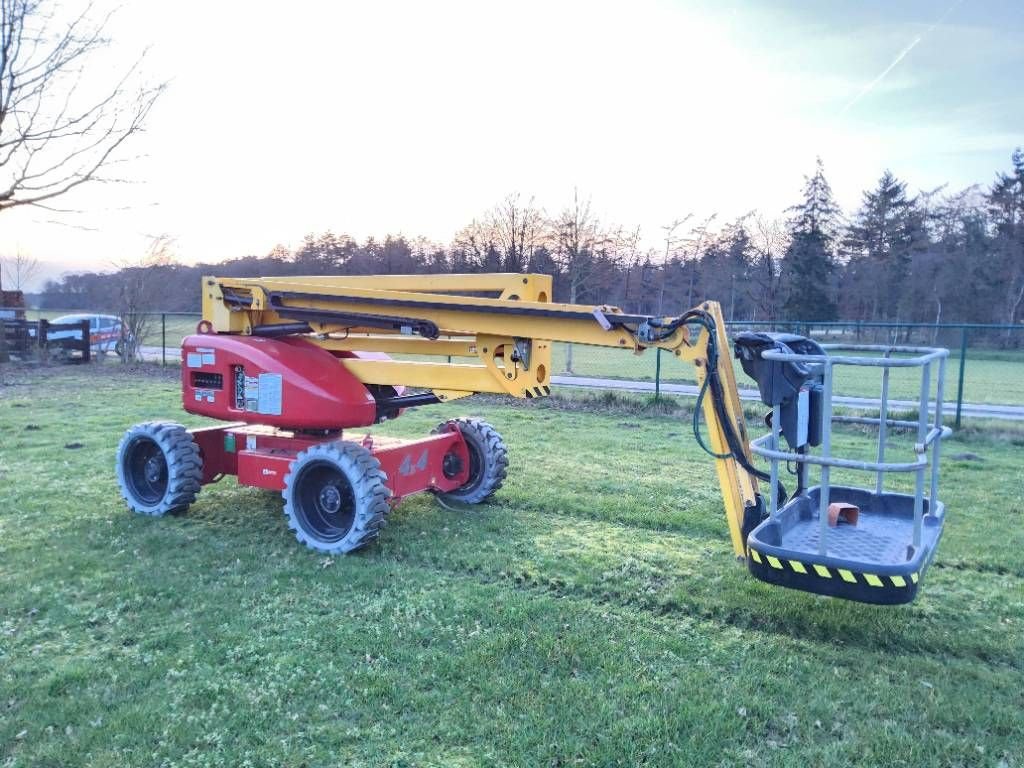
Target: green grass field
593	615
990	376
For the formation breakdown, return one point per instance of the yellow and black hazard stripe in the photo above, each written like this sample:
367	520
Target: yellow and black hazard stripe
883	589
537	391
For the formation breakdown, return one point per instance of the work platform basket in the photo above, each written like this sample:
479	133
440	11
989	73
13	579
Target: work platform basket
879	552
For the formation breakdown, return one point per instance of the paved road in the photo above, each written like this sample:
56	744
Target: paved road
977	410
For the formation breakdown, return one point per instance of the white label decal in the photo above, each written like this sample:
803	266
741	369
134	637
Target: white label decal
252	393
803	415
269	397
207	395
194	360
250	442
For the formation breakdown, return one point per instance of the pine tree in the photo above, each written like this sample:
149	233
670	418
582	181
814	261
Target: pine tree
740	260
1006	210
880	245
725	266
809	261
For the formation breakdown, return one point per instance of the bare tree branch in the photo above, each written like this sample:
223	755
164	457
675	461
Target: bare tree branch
138	291
18	270
59	127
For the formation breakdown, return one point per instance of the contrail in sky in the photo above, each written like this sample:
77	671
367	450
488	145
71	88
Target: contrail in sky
899	57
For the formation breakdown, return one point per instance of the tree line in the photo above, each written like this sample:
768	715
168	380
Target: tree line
936	256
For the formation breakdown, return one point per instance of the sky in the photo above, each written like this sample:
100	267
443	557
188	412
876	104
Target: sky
370	118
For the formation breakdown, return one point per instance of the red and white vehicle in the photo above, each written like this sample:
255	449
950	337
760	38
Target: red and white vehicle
106	332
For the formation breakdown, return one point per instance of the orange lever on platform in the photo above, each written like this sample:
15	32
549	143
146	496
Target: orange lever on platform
841	511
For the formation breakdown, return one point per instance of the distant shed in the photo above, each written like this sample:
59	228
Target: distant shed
12	305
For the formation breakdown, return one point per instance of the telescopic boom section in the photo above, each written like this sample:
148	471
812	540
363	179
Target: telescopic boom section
504	325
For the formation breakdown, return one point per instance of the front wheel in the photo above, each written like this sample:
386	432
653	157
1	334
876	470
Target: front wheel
335	497
159	468
488	460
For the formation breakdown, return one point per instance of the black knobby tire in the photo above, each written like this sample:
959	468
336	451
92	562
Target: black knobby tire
159	468
488	460
335	497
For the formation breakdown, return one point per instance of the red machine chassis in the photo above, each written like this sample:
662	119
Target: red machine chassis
261	456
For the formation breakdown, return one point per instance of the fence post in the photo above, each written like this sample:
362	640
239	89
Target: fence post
86	342
960	384
657	375
163	339
3	342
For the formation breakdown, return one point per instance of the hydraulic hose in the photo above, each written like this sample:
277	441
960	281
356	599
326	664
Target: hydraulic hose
712	382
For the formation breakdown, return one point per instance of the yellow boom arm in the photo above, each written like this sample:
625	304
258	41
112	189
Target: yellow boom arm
507	322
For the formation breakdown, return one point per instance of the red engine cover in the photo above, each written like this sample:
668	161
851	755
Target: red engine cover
289	383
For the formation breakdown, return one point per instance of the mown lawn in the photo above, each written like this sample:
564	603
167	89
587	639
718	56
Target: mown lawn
593	615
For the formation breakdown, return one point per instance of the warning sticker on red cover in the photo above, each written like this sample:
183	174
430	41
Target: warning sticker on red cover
269	399
263	394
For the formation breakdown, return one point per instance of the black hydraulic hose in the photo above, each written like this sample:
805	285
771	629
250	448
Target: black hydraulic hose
736	448
801	472
696	424
731	438
712	381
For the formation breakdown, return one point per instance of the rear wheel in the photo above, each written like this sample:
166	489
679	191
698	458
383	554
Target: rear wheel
335	497
159	468
488	460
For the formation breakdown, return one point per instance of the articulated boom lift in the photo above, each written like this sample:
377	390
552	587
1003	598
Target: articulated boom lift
293	363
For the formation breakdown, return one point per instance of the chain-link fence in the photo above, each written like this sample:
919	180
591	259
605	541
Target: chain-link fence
988	359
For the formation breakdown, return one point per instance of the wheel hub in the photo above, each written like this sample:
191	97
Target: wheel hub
451	465
330	499
153	468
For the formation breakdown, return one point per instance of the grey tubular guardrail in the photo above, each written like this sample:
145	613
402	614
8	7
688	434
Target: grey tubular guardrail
929	434
806	327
